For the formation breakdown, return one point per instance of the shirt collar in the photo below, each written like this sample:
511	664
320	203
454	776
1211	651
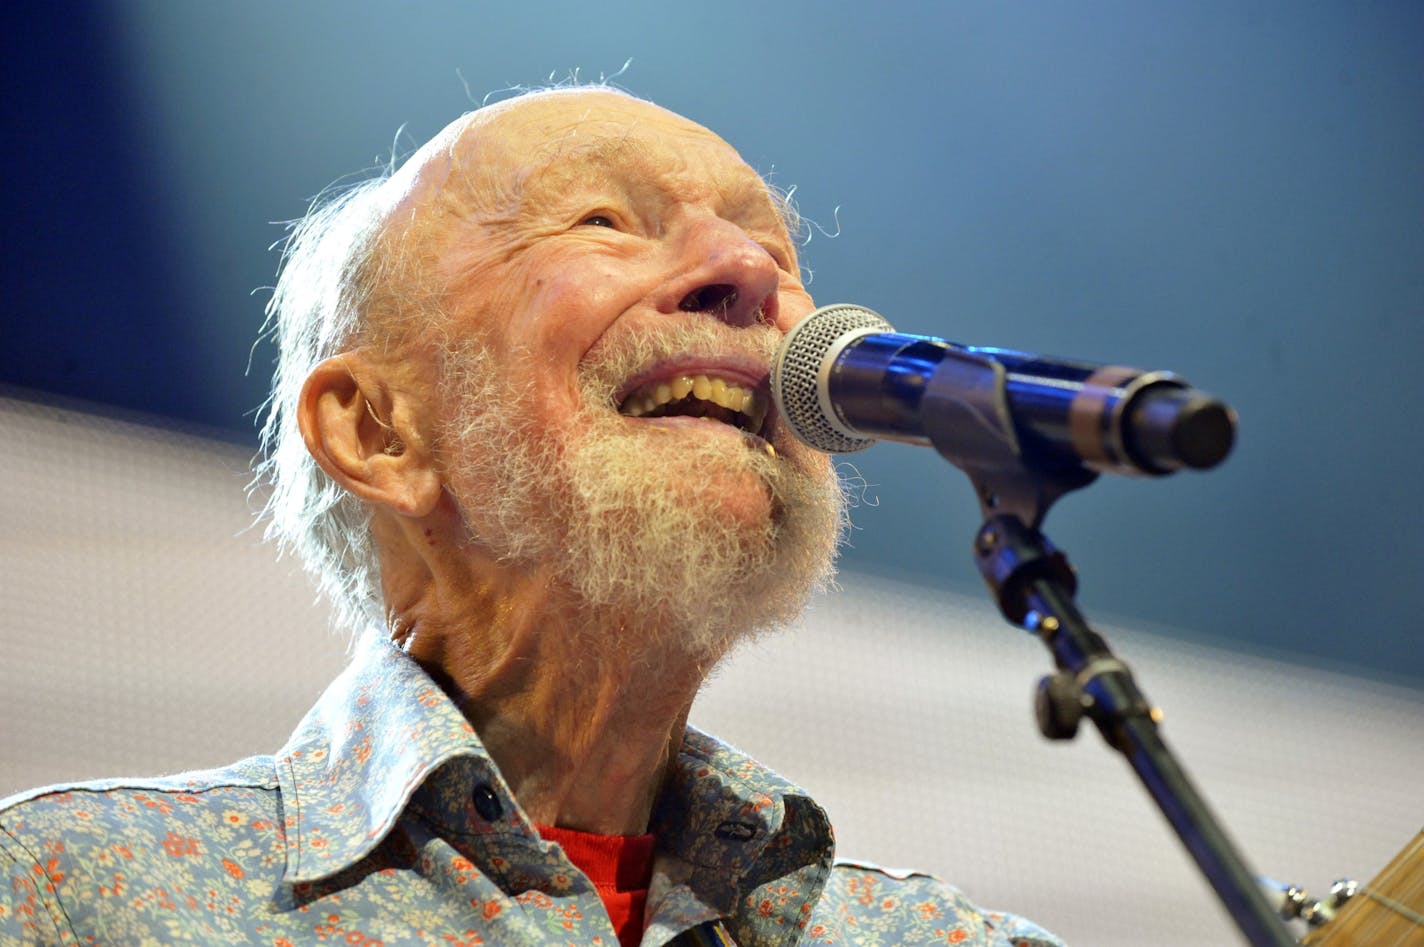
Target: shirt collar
348	771
725	823
732	827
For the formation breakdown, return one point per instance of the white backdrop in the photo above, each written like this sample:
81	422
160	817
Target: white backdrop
145	628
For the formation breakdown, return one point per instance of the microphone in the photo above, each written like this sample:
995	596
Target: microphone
843	378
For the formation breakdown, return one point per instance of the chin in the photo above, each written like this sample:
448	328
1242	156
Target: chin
709	538
732	490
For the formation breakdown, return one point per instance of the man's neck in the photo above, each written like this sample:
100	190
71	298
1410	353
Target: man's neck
583	713
585	754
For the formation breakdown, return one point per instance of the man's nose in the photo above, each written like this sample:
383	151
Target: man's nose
726	275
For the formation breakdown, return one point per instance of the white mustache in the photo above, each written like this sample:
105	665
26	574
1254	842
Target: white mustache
616	356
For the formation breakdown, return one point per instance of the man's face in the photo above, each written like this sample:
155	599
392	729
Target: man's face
616	280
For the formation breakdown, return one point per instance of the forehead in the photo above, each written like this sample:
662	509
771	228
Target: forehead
504	156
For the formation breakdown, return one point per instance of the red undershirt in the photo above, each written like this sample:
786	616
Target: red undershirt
620	867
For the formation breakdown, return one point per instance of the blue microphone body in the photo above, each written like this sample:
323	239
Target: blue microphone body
844	378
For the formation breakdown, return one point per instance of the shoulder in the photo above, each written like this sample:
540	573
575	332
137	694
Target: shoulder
92	841
868	903
116	808
250	778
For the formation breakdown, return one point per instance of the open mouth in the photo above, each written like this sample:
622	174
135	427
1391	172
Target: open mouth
700	396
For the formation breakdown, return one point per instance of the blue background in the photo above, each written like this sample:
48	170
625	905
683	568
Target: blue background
1233	191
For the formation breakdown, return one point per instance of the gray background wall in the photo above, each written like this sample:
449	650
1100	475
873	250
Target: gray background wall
146	629
1229	190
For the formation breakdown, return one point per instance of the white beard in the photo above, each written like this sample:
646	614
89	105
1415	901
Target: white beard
633	517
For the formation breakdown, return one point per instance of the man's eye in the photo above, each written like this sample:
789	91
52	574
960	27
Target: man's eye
783	261
596	220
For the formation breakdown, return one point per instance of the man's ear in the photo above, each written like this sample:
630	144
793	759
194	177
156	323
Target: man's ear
365	435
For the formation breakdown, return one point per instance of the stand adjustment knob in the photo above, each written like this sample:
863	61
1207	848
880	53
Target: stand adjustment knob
1058	706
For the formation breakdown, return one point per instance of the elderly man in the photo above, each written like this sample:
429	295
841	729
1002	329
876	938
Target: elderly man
521	432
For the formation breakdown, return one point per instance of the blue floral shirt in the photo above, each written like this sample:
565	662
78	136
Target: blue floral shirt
383	821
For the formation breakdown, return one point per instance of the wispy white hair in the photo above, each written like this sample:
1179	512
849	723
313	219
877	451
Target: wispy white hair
328	284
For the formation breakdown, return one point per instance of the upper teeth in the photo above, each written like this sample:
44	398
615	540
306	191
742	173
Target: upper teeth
719	391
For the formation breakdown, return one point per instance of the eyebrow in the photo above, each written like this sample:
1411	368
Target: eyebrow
616	157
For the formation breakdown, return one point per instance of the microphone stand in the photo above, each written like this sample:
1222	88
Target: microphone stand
1033	584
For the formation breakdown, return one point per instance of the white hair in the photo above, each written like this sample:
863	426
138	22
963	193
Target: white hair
330	277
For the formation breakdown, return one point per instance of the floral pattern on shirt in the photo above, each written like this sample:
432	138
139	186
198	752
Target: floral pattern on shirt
383	822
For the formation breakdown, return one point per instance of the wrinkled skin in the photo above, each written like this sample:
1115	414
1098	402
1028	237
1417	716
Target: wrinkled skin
582	243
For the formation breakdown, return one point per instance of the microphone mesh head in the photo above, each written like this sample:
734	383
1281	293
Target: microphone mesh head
797	382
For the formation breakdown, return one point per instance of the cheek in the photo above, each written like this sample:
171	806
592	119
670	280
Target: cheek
573	304
793	305
561	314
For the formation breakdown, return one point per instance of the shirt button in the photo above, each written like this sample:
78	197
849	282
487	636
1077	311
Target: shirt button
487	803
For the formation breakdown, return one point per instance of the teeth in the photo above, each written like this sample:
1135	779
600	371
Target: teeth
755	409
719	391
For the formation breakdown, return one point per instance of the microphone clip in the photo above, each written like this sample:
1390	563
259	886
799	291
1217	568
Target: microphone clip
967	419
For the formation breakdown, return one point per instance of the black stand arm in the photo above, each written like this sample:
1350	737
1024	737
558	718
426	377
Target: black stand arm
1034	586
1105	419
